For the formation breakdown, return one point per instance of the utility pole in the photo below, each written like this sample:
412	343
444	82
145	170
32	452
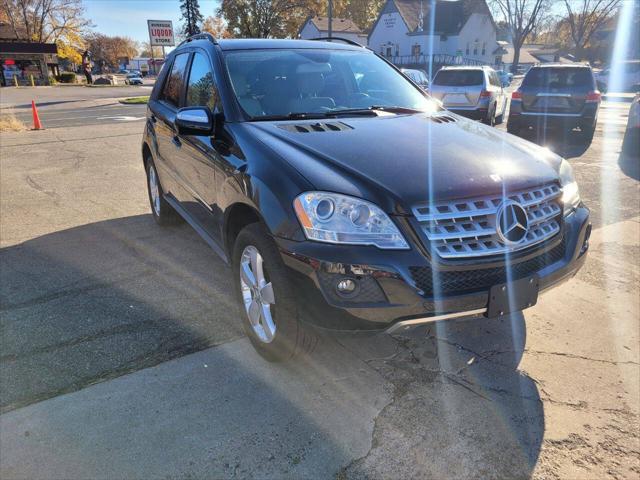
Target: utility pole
330	18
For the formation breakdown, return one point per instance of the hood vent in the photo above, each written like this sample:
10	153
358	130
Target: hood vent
315	127
442	119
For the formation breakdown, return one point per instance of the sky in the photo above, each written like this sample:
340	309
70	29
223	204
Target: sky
129	17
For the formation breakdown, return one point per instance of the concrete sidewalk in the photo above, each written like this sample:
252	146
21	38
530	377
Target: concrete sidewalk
219	413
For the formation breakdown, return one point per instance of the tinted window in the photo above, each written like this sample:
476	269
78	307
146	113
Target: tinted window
277	82
201	90
175	80
558	78
459	78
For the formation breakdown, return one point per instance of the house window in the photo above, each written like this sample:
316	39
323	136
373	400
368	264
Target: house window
415	50
467	48
484	48
388	52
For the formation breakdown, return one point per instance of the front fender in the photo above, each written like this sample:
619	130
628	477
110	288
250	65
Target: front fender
274	208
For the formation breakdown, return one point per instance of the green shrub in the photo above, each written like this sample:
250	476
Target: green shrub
67	77
52	80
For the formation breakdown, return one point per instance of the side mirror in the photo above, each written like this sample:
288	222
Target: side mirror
194	121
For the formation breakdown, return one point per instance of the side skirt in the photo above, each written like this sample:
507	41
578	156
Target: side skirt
196	226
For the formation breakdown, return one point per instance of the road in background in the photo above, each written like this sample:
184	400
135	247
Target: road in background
115	112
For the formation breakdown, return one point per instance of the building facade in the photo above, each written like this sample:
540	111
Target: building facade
26	62
421	32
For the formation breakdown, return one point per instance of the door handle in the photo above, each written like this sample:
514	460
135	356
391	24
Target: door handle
176	141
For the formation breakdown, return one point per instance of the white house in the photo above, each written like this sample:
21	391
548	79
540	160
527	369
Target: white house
318	27
415	32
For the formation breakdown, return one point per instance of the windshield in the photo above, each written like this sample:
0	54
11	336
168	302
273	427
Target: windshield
280	82
459	78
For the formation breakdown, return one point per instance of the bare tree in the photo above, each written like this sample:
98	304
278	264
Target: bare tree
521	16
585	17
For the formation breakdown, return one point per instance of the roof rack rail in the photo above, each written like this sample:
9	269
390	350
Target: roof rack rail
339	39
200	36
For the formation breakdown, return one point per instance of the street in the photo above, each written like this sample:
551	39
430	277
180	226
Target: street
122	352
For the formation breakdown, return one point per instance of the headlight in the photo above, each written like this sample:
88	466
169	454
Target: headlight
333	218
570	194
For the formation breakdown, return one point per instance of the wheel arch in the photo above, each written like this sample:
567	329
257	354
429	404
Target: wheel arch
236	217
146	153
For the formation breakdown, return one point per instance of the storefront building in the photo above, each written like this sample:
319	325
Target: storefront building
23	62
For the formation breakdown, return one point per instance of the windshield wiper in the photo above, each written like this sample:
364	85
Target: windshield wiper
371	110
367	111
290	116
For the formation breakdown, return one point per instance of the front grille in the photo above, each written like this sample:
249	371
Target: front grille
469	281
468	228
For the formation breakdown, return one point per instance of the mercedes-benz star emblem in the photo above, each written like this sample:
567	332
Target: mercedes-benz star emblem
512	224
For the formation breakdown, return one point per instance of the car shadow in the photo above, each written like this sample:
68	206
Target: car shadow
98	301
566	143
461	405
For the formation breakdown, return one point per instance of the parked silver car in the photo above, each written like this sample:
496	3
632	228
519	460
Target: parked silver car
133	79
474	92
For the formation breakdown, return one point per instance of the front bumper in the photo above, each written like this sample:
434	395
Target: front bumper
390	290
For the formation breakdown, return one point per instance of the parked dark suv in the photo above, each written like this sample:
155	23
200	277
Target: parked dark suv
343	196
556	96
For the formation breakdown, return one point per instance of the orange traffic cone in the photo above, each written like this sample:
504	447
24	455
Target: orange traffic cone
36	119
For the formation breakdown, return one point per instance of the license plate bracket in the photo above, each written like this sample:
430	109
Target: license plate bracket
513	296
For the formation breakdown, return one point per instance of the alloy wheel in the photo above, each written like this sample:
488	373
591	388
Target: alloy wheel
154	190
257	294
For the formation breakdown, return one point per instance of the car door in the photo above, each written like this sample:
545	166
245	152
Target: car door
164	108
200	159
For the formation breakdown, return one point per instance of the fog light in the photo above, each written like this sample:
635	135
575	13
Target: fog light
346	286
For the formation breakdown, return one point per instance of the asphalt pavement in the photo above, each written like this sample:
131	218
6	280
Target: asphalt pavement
122	353
115	112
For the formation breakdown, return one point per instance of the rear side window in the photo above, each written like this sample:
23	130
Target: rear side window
201	90
558	78
175	80
459	78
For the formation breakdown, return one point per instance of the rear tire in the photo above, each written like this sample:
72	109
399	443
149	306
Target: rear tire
491	117
267	298
163	213
586	134
500	118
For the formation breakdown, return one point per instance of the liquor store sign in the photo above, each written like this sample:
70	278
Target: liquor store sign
161	33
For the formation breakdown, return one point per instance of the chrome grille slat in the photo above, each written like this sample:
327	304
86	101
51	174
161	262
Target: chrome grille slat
467	228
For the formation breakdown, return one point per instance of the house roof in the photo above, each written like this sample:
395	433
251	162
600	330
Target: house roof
343	25
450	16
525	55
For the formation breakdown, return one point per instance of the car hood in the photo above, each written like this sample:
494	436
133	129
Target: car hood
398	161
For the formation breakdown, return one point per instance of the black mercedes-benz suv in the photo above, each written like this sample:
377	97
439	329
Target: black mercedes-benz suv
344	196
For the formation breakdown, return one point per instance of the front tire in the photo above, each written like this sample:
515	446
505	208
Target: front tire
267	297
